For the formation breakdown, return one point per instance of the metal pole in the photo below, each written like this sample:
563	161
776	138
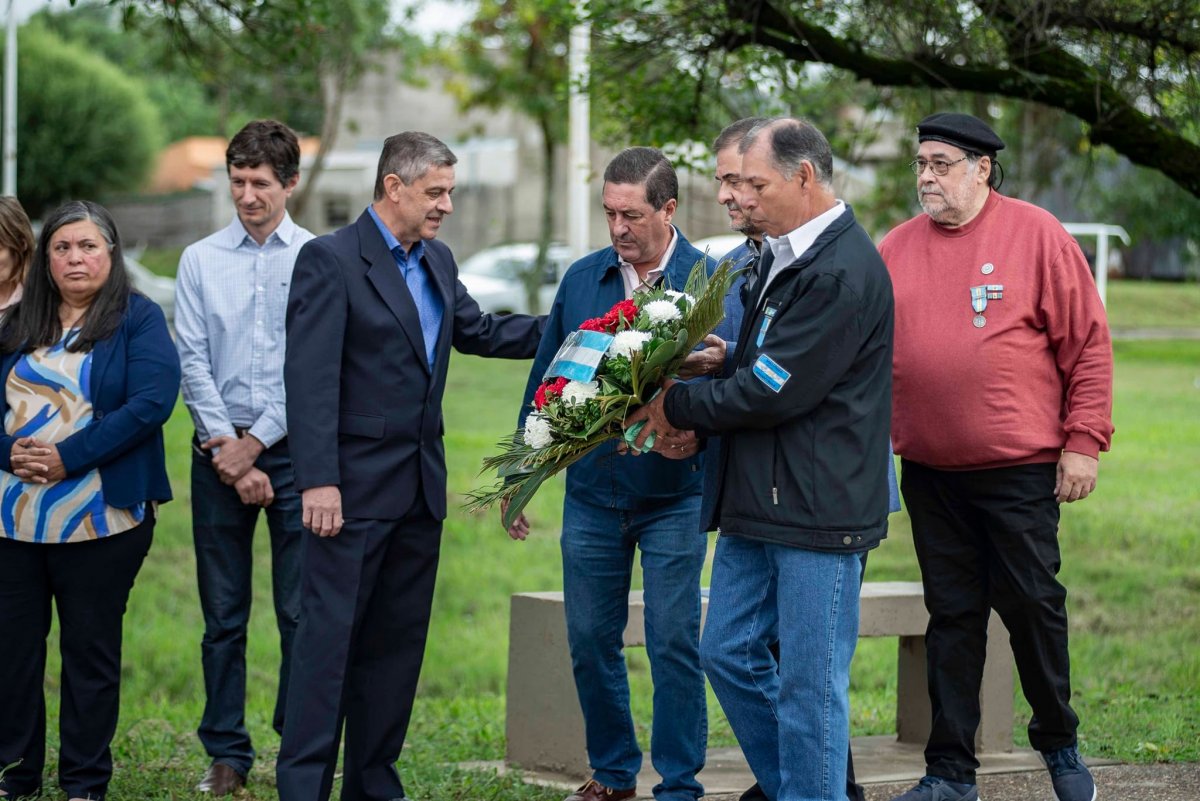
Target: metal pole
1102	266
579	171
10	105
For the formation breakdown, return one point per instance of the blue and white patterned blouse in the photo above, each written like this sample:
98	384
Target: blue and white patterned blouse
49	397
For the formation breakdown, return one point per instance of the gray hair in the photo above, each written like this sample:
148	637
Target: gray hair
794	142
78	211
410	155
735	132
995	173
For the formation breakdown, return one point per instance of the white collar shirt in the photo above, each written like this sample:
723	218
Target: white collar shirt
789	247
629	273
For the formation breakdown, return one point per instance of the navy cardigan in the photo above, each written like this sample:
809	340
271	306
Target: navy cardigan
134	383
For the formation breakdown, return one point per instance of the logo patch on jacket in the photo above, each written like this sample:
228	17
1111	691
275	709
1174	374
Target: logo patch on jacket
768	371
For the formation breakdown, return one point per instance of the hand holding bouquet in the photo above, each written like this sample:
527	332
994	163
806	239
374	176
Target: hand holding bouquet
610	366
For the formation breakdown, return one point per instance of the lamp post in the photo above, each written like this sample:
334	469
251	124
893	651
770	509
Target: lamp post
10	105
579	168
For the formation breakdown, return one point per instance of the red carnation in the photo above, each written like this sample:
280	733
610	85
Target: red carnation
626	310
594	324
542	396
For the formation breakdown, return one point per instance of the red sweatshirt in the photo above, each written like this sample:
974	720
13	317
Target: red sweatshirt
1034	379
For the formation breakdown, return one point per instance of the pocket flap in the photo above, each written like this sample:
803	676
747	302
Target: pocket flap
361	425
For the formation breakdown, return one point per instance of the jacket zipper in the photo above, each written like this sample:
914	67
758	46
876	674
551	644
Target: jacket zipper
774	469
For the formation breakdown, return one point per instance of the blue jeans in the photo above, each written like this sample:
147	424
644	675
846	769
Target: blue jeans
598	546
791	717
223	530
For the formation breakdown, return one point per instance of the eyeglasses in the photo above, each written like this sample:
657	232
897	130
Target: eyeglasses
938	167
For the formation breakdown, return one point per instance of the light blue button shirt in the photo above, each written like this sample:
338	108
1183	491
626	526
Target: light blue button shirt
230	308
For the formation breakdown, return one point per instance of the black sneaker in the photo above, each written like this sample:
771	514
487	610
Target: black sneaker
755	793
935	788
1072	780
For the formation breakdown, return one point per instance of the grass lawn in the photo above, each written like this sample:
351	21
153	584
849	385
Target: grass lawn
1153	304
1131	559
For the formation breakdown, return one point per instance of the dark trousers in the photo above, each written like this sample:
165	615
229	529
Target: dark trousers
366	597
988	539
89	584
223	531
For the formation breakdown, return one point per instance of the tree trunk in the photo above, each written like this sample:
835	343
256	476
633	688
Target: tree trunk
533	282
334	94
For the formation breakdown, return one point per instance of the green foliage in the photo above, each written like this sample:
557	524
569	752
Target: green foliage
185	103
286	60
679	69
514	54
86	128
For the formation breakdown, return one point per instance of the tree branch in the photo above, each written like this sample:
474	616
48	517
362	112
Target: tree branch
1047	75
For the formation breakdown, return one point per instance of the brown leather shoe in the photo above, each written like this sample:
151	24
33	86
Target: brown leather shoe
595	791
221	779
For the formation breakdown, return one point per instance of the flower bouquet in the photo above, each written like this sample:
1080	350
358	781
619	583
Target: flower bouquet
601	373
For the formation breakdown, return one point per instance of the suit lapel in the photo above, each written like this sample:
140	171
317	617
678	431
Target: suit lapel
442	276
385	276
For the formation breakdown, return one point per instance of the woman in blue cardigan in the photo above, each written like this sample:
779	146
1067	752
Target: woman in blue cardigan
90	376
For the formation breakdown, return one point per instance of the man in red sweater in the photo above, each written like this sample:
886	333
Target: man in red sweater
1002	402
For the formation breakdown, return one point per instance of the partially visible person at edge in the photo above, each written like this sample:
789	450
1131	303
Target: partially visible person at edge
1003	402
230	302
717	357
615	507
802	488
90	376
373	312
16	251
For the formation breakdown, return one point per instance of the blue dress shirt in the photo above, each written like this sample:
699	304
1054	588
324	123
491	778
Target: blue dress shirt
424	294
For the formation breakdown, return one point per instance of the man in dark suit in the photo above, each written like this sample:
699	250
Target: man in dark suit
373	311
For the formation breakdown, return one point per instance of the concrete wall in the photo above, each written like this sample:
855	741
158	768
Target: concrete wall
163	220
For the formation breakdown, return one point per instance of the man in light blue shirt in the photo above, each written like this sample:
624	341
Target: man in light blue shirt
231	299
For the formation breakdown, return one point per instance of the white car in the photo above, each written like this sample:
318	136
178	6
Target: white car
492	276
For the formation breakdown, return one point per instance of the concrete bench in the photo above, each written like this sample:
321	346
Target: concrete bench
544	725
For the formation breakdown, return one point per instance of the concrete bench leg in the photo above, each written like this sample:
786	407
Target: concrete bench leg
543	723
913	713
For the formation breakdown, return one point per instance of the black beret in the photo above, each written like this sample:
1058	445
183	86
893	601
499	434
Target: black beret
960	130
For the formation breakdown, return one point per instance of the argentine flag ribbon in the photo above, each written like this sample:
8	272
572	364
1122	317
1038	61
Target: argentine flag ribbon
579	356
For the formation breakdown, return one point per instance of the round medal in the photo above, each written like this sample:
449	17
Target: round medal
987	269
979	321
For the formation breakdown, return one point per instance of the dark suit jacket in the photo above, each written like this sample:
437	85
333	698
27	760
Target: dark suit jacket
364	410
134	382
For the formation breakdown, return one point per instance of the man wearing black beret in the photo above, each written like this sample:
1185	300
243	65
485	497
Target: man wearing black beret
1002	403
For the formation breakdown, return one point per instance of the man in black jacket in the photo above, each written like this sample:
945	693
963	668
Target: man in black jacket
804	487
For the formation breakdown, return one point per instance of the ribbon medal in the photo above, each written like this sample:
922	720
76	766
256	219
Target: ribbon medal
768	315
980	295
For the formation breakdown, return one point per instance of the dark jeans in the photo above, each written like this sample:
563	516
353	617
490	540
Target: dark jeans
988	539
223	529
89	583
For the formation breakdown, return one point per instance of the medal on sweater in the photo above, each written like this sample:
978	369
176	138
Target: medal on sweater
987	268
980	295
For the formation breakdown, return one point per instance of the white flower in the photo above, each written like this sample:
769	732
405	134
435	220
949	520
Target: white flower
580	391
627	343
661	311
537	431
675	296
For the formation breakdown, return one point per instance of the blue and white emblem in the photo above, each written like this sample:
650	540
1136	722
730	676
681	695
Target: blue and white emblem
768	371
